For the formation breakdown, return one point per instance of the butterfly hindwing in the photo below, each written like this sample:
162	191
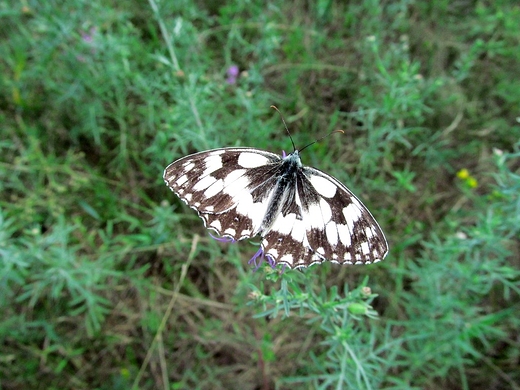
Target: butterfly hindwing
352	235
330	223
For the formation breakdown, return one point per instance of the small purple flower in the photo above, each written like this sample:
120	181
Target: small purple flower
232	74
260	254
88	40
283	154
223	239
271	261
89	37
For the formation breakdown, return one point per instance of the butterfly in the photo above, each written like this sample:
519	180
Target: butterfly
303	215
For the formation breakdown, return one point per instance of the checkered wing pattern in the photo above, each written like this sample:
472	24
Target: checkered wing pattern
303	215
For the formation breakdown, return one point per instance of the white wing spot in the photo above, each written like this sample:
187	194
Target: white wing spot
365	248
298	231
284	225
251	160
319	214
352	214
332	233
234	184
216	224
288	258
326	211
188	197
316	258
188	166
344	235
315	217
324	186
321	251
213	163
254	211
273	252
214	189
245	232
237	174
230	231
181	180
369	231
204	183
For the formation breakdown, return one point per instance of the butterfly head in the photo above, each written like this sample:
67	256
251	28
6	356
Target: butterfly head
292	159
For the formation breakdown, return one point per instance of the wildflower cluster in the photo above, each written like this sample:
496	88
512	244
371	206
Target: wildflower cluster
468	180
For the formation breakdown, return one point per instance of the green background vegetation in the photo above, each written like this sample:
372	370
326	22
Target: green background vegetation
108	281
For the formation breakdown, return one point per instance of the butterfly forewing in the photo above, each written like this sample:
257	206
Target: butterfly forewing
228	187
303	215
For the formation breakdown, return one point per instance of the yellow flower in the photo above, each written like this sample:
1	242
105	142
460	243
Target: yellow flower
471	182
463	174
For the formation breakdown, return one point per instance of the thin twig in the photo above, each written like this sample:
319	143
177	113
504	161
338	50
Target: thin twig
167	313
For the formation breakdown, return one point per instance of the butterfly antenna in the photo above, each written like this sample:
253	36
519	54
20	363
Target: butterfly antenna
319	139
286	128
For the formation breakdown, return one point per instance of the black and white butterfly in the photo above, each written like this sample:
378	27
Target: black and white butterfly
303	215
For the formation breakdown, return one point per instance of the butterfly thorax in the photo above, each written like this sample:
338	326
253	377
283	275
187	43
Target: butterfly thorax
284	190
290	165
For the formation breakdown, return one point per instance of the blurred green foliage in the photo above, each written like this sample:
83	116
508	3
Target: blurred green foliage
109	282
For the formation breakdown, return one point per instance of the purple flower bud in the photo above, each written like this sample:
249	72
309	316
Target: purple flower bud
259	253
232	71
232	74
89	37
